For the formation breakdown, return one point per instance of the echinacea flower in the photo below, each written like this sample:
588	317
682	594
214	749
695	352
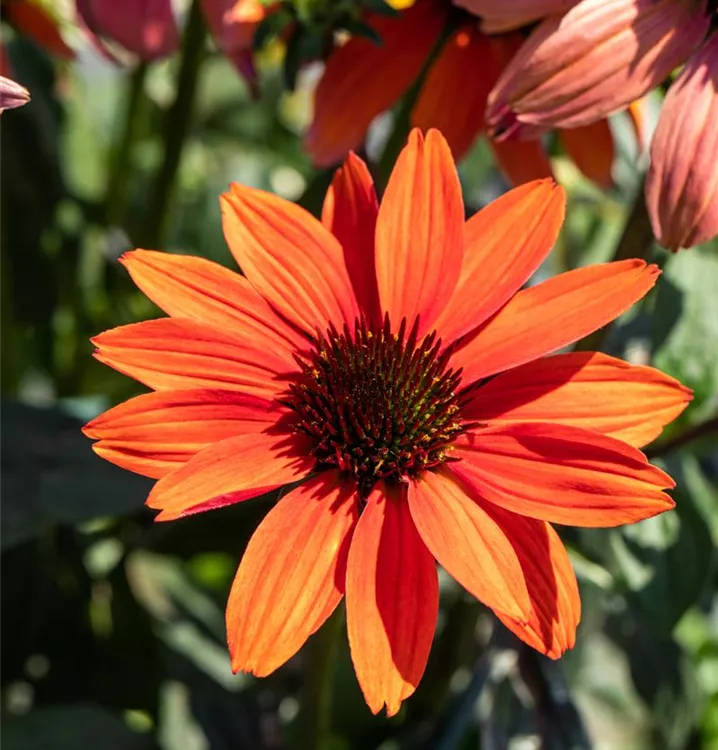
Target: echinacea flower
146	28
597	59
12	94
388	360
363	79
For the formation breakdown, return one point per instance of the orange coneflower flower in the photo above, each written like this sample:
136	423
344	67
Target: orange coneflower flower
362	79
388	359
575	70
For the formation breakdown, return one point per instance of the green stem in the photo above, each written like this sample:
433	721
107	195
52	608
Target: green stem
695	432
316	712
402	119
121	166
176	126
636	242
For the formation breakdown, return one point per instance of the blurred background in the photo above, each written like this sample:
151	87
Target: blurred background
112	626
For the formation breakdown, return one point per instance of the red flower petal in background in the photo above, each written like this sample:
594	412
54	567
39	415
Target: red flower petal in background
362	78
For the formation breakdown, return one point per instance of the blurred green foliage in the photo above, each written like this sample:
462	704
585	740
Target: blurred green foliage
113	632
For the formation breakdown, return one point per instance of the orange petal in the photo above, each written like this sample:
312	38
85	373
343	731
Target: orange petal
445	101
362	78
392	601
469	544
543	318
504	244
521	161
291	577
172	353
555	603
35	22
234	470
592	151
290	259
583	389
419	232
561	474
156	433
195	288
349	213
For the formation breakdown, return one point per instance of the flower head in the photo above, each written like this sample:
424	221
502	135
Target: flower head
388	360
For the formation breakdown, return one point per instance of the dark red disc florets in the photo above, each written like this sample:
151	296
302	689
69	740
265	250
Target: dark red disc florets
379	405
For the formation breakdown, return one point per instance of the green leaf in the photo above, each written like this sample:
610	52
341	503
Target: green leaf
664	562
685	331
51	475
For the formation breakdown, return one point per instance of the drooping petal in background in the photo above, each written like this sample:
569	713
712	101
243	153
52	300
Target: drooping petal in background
12	94
497	17
682	181
592	150
595	60
362	78
146	28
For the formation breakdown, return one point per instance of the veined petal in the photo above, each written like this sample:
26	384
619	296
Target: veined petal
591	150
362	78
37	23
392	601
188	287
499	17
234	470
155	433
419	232
290	259
445	102
583	389
504	244
553	314
469	544
291	577
561	474
593	61
553	590
521	161
173	353
349	213
682	181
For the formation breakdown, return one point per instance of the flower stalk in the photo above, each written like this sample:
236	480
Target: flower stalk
176	126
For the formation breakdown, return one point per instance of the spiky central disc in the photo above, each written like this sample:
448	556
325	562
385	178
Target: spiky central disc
379	405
